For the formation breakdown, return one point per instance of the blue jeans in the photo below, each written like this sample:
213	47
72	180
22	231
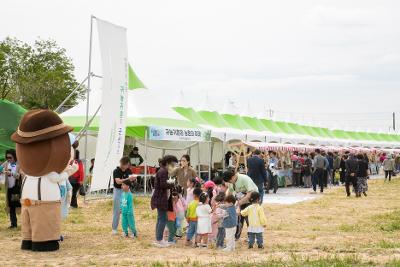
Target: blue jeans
116	207
253	237
220	237
161	223
192	229
318	178
261	191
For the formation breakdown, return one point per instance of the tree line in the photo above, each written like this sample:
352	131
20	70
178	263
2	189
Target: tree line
36	76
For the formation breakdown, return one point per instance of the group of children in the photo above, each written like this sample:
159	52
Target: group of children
207	212
211	216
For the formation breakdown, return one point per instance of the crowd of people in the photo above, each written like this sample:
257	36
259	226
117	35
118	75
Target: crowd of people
214	211
315	169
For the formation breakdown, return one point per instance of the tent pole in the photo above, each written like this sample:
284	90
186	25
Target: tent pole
198	160
71	94
84	129
88	88
211	145
223	153
145	162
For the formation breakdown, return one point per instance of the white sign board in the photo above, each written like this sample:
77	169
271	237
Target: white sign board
178	134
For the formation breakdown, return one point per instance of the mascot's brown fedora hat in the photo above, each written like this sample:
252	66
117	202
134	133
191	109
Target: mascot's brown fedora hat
42	141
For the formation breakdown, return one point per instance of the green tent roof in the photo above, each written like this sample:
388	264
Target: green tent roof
236	122
10	115
213	118
255	123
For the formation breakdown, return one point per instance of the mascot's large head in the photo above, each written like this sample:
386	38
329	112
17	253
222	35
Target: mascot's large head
42	143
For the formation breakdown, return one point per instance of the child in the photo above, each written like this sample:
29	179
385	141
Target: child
127	212
65	192
220	214
230	223
189	191
171	217
203	212
191	185
191	216
257	220
180	207
210	189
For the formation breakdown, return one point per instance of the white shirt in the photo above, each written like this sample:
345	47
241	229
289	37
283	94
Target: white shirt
49	189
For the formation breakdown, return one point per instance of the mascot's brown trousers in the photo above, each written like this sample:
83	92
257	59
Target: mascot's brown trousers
41	222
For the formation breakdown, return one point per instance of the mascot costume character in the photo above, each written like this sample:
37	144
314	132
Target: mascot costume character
44	152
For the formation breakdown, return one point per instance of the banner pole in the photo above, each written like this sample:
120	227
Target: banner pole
87	96
88	88
145	162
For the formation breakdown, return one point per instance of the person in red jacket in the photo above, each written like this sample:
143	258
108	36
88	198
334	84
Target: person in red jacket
76	180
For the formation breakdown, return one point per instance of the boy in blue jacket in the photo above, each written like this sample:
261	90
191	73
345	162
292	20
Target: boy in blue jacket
230	223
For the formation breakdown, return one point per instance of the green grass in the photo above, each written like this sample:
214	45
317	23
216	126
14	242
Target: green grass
388	244
331	231
390	221
294	261
348	228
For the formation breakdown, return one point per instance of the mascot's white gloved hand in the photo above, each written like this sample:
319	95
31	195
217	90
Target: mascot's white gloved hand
71	169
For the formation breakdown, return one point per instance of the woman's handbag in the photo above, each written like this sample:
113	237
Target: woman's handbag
16	193
82	190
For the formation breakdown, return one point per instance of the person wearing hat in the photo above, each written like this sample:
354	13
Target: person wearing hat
44	152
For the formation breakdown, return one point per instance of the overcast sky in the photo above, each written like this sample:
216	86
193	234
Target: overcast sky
307	60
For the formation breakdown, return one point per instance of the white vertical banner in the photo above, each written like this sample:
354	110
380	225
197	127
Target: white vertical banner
111	135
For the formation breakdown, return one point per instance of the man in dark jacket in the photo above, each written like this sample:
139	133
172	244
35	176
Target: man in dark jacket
136	159
351	173
257	172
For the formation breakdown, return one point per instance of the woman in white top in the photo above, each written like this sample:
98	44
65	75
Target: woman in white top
10	170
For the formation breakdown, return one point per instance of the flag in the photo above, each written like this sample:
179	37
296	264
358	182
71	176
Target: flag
111	135
134	81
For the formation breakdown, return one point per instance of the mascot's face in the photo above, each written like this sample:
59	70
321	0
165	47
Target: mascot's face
43	144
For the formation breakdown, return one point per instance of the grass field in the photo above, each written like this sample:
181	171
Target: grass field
331	231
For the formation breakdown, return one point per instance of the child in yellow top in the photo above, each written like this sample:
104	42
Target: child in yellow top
191	216
257	220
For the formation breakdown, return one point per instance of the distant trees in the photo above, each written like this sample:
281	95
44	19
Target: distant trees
38	76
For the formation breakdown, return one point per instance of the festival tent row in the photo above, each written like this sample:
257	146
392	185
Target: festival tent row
305	148
249	127
10	115
147	114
